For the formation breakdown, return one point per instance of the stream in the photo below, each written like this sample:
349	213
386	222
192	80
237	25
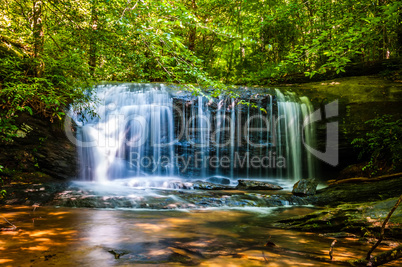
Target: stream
61	236
132	204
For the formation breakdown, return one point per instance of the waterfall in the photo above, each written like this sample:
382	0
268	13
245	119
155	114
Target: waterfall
151	130
133	134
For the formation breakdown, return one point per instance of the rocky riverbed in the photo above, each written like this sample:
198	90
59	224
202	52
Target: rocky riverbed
198	193
175	195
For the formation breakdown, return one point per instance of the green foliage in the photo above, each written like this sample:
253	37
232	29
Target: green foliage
44	96
50	55
382	145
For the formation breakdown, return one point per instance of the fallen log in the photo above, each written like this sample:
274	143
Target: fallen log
380	259
387	256
364	179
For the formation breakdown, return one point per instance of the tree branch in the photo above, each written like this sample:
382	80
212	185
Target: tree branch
383	228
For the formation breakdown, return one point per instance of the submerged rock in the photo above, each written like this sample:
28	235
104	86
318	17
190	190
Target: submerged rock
256	185
305	187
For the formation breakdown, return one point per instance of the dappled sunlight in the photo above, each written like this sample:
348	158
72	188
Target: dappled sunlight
38	231
45	232
158	252
303	241
58	213
208	238
199	244
147	227
71	232
42	248
178	221
9	232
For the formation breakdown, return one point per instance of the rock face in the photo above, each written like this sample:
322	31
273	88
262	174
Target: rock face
359	99
361	218
357	192
40	147
256	185
305	187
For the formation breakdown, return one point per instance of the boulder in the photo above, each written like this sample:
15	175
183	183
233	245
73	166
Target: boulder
210	186
218	180
305	187
256	185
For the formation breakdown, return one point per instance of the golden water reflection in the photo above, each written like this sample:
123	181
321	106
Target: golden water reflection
90	237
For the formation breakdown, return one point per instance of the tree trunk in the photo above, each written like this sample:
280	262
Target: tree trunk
37	30
399	35
193	29
92	41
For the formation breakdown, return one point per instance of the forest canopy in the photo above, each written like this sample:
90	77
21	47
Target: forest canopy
52	51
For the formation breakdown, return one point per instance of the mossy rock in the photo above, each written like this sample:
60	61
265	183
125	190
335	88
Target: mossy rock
31	177
362	218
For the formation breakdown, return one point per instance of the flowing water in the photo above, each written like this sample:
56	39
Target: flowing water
213	237
149	131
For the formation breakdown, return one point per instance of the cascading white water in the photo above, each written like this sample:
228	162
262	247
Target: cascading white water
289	123
142	132
133	134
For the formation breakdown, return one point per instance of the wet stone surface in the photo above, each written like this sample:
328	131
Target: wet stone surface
178	195
172	199
257	185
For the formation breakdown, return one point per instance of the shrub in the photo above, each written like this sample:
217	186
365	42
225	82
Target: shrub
382	146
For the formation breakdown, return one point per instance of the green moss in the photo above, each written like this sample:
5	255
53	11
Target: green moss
362	218
30	177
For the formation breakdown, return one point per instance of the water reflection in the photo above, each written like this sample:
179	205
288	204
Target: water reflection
89	237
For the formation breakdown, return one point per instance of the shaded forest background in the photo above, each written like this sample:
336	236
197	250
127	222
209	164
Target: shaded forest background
51	52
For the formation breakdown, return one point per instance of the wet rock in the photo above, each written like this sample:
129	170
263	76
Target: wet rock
357	192
210	186
73	195
305	187
40	146
29	194
180	185
256	185
117	253
219	180
362	218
